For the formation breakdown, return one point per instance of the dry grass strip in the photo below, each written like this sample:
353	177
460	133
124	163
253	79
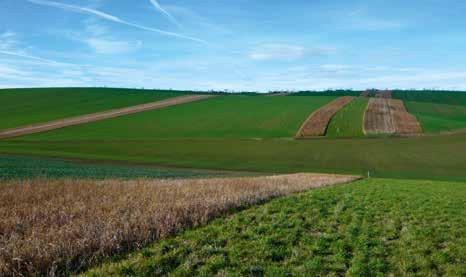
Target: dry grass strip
405	123
55	227
56	124
316	124
378	118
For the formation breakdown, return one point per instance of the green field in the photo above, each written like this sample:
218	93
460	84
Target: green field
28	106
436	117
438	97
220	117
348	122
20	167
375	227
435	157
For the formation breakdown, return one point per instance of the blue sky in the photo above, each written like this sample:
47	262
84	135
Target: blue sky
238	45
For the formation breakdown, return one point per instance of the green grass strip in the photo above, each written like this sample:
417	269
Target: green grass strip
348	122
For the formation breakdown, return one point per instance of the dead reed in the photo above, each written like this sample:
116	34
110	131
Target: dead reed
57	227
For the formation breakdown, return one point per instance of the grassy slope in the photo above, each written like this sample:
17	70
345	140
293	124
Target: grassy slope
437	157
444	97
14	167
27	106
438	117
348	122
225	116
371	227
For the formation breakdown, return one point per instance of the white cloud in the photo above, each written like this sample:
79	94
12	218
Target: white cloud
105	46
168	15
362	20
8	40
111	18
285	52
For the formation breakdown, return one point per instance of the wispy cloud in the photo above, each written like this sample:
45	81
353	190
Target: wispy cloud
9	46
285	52
361	19
26	56
112	18
108	46
159	7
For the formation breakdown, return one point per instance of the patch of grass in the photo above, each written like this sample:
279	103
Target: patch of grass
28	106
224	116
433	157
19	167
367	228
436	117
348	122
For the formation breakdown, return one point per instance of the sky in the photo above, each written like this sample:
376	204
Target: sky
237	45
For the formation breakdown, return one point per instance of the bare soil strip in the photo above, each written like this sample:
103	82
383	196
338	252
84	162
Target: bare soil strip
378	118
316	124
61	123
405	123
54	227
389	116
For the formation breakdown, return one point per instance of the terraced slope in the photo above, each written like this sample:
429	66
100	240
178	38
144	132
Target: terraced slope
20	107
316	124
348	122
220	117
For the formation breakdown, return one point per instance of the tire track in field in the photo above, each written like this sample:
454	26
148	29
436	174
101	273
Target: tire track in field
61	123
316	124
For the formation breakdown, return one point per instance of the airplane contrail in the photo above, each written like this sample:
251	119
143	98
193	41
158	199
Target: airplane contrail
112	18
159	7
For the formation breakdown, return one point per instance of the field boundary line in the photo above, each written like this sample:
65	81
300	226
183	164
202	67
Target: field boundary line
327	111
72	121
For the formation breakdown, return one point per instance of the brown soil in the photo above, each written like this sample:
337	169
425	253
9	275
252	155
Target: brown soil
389	116
405	123
378	118
61	123
317	122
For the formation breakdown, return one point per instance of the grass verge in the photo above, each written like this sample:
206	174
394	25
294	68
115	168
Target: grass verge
375	227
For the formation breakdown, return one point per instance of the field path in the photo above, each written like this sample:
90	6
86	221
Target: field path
316	124
61	123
